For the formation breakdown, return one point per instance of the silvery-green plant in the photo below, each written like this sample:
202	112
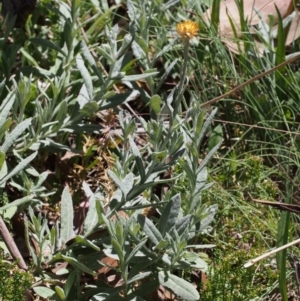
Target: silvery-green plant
11	136
52	108
148	250
12	164
62	104
145	15
57	103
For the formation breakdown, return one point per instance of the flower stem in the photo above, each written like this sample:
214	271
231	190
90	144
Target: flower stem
181	89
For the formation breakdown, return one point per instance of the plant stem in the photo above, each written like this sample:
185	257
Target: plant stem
186	44
13	249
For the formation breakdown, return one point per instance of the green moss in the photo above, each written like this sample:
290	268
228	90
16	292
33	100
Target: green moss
229	280
13	282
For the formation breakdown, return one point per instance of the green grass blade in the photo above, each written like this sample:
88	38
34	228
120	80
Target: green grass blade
282	239
215	16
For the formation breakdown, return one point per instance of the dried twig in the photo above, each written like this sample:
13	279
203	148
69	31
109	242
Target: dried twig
251	80
280	206
255	260
13	249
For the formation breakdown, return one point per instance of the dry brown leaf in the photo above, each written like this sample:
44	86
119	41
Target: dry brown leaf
59	266
294	31
236	47
108	273
69	155
121	213
254	10
109	263
162	294
280	206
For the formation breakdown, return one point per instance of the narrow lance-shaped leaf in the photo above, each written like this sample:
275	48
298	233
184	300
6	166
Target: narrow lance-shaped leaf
85	75
5	108
118	99
169	215
215	137
205	126
118	249
18	168
28	244
137	190
91	219
11	138
178	286
2	159
139	277
139	267
280	57
77	264
138	159
87	55
5	126
100	211
215	15
182	224
150	229
2	85
61	115
138	51
60	292
43	291
209	156
133	13
127	40
48	44
83	96
84	241
199	123
211	211
125	184
128	78
70	282
67	216
134	251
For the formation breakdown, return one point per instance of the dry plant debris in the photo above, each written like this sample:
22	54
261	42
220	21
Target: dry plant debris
255	11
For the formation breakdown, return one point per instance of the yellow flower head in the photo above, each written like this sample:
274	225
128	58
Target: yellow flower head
187	29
